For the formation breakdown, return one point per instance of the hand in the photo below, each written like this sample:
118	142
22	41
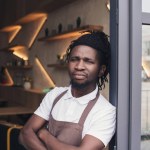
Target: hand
43	134
45	137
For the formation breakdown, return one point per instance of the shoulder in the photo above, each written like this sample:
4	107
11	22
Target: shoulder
102	119
102	110
45	106
104	103
56	91
103	106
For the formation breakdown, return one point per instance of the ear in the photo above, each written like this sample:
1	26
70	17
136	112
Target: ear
102	70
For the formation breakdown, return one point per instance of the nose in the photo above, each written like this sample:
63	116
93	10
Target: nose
80	65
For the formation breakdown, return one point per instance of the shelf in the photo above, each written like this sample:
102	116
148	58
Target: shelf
57	65
6	49
11	48
19	67
38	91
5	84
73	33
16	110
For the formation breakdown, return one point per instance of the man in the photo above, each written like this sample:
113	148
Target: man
78	117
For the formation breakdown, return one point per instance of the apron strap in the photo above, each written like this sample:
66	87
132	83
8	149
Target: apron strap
88	109
57	99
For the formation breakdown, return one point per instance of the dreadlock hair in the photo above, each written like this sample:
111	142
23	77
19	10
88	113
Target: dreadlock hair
99	41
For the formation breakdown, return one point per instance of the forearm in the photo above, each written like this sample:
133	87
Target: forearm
53	143
31	141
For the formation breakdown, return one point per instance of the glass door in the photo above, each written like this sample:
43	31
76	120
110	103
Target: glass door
145	90
145	76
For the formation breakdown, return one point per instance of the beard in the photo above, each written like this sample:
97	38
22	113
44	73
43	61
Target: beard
79	85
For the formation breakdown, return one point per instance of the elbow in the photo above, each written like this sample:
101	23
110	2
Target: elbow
22	136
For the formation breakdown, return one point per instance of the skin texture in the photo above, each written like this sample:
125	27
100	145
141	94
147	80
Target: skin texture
84	68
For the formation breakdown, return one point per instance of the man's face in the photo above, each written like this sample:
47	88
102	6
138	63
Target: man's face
83	66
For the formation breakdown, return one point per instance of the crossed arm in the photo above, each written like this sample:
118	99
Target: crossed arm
28	135
34	137
88	143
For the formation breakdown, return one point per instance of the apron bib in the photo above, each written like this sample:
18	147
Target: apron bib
69	132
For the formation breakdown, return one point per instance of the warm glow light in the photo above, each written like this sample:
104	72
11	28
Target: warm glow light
108	5
20	55
146	67
20	51
64	36
13	34
10	28
51	83
32	17
9	78
12	31
63	55
42	20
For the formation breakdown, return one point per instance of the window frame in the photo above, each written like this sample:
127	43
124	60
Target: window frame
125	77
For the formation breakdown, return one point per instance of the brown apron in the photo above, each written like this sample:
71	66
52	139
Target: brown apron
69	132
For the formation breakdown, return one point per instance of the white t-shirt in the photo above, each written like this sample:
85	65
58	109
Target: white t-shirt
99	123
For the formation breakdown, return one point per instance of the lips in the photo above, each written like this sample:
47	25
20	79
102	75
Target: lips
79	76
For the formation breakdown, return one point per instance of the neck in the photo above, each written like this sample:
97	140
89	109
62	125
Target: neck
76	92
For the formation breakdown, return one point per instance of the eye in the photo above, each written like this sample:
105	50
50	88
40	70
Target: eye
89	61
73	59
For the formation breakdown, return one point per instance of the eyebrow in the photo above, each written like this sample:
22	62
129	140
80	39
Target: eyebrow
84	58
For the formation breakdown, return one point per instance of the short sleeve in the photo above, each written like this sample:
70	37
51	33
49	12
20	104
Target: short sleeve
45	107
102	125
